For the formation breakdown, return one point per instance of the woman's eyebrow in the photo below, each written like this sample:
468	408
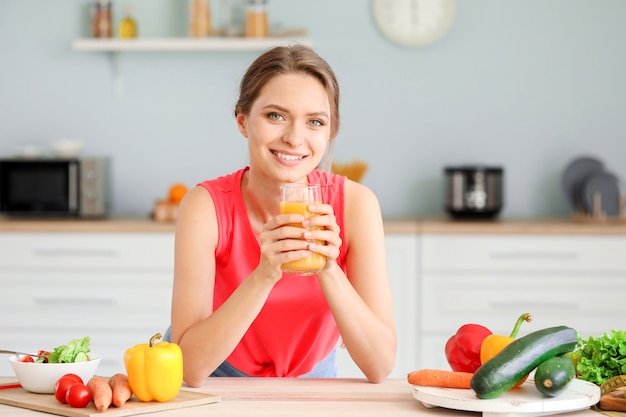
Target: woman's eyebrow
285	110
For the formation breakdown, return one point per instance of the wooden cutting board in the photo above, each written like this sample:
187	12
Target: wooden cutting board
19	397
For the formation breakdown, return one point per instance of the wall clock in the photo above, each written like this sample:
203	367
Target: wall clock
413	23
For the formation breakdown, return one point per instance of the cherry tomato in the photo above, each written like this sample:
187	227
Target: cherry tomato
74	377
62	385
27	358
78	395
44	354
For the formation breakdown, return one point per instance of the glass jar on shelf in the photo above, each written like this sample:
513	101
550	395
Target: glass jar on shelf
101	19
199	18
256	19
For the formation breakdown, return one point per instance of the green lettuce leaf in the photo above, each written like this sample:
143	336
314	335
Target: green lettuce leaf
67	353
598	359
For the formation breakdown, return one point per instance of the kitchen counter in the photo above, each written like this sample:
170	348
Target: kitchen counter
409	225
302	397
113	224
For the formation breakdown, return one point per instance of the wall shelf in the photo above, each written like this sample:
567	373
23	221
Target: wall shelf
114	46
183	44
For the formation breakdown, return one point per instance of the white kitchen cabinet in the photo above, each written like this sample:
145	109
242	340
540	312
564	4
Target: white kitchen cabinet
402	266
57	286
577	281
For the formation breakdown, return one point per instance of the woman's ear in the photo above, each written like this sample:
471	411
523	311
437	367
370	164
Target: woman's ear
241	124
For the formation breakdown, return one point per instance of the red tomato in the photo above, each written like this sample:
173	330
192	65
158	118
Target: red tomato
62	385
78	395
45	354
74	377
27	358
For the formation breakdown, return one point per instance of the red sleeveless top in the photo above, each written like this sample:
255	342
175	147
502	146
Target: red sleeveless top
295	328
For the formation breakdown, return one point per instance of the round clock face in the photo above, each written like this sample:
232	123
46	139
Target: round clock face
413	23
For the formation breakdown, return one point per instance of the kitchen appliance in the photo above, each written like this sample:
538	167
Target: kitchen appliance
55	187
473	191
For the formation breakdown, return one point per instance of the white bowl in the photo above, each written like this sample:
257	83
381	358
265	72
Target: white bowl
41	377
29	151
67	148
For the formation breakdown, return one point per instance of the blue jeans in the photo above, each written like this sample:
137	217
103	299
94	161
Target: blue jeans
326	368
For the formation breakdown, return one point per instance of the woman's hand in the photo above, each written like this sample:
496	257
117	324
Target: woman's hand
328	233
282	240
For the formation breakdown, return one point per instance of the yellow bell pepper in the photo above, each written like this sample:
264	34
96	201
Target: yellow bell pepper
494	344
155	370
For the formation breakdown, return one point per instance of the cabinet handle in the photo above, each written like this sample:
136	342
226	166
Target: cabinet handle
513	254
74	301
68	252
530	306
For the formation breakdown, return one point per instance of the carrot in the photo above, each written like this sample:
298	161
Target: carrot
100	392
121	389
440	378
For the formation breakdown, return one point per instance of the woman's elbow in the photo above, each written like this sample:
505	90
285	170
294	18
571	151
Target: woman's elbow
377	377
193	376
194	381
379	373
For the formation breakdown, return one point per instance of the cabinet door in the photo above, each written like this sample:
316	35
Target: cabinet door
402	266
113	287
577	281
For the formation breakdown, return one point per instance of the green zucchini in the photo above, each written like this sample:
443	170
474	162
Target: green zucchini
554	375
514	362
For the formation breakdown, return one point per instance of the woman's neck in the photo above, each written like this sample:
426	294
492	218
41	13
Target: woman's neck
262	200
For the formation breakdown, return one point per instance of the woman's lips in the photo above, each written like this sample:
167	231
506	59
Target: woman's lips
287	157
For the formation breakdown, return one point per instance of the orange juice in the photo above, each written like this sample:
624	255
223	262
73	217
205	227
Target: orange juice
313	262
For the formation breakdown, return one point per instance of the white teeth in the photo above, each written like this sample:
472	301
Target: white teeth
288	157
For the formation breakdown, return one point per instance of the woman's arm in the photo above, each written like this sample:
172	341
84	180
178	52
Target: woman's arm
207	338
362	304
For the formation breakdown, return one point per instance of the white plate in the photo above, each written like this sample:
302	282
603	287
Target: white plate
525	401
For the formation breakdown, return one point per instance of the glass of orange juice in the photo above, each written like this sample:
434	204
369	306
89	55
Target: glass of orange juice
295	198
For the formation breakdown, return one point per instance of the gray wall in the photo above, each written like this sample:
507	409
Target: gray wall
526	84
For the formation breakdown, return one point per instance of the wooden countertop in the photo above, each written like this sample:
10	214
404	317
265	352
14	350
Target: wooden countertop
410	225
113	224
302	397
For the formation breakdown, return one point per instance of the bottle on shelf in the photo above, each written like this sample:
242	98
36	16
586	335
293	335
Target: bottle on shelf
101	19
199	18
128	25
256	19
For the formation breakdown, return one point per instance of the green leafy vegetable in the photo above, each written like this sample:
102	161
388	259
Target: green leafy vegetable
69	353
598	359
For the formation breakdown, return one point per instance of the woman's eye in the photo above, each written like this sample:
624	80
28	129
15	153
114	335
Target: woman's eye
275	116
317	123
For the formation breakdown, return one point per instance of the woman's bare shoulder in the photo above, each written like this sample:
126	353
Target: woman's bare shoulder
361	206
196	213
358	196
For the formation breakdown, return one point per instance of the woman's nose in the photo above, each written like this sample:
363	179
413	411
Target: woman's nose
294	136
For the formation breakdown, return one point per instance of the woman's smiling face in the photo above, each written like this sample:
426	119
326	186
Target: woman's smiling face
288	127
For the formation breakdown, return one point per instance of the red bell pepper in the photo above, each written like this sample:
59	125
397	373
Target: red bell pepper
463	349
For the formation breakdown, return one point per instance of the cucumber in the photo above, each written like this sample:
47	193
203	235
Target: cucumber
554	375
503	371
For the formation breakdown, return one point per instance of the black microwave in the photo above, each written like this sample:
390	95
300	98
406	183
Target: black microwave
53	187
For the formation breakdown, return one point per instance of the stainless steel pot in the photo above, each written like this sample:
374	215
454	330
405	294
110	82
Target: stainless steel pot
474	191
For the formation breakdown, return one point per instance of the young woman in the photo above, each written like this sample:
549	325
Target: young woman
234	312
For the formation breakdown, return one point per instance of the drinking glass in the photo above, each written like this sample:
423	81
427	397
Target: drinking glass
295	198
